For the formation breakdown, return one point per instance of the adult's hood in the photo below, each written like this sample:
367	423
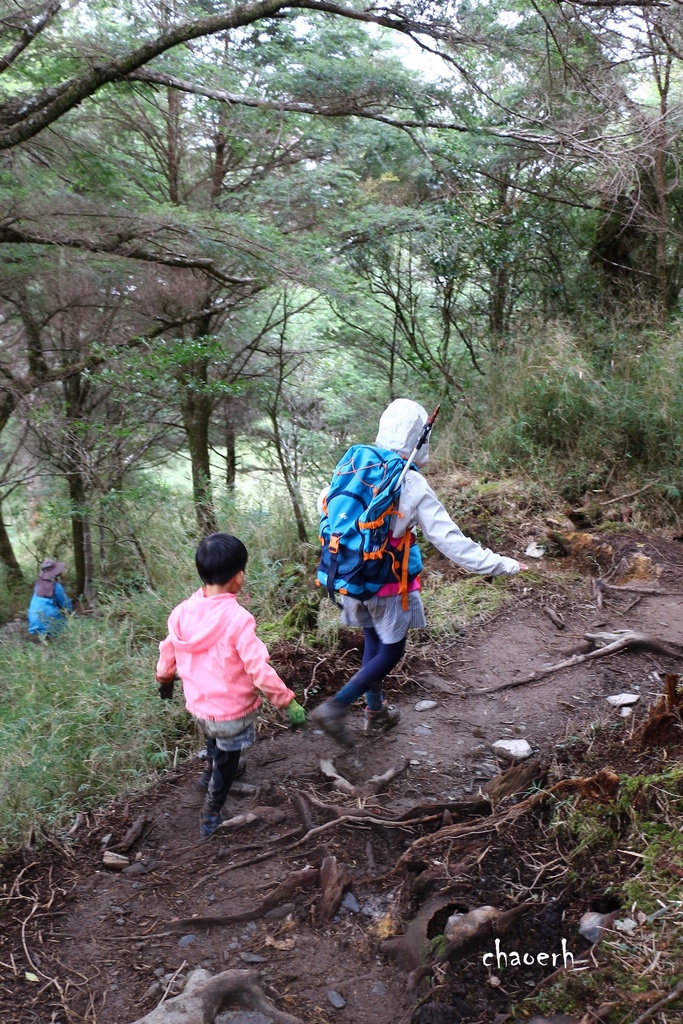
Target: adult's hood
400	427
198	622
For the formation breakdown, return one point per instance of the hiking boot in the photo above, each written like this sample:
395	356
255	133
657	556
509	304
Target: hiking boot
331	717
379	721
209	822
205	777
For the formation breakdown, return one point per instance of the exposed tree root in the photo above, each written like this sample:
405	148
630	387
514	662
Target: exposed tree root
205	997
664	724
600	788
335	879
374	785
296	880
609	643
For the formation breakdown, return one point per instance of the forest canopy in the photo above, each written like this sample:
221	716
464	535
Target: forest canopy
240	229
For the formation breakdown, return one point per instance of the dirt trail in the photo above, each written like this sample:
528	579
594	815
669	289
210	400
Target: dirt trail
99	943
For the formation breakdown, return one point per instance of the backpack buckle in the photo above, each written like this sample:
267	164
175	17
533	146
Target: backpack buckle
334	543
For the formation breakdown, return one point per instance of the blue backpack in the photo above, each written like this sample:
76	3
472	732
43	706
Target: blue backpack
357	555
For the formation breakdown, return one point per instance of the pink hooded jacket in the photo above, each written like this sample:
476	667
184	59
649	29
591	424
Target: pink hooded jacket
212	645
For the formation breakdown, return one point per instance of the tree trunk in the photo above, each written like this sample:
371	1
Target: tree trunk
498	306
15	577
196	420
173	145
81	537
230	454
290	483
7	556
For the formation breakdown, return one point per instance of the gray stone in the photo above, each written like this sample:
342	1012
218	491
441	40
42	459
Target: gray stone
278	913
426	705
379	989
252	958
623	700
187	940
592	925
422	730
512	750
334	999
350	902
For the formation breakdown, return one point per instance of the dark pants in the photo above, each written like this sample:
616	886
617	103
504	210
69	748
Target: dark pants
378	661
223	765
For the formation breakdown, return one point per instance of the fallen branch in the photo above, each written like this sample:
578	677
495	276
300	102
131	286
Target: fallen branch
612	643
655	591
133	834
554	617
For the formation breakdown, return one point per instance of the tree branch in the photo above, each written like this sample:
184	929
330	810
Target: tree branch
121	247
28	34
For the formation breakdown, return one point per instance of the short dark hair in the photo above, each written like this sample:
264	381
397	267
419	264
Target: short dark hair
219	557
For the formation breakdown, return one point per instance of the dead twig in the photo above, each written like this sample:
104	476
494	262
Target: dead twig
631	494
670	998
170	984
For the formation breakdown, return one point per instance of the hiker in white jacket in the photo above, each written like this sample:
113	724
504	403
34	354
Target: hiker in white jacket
384	618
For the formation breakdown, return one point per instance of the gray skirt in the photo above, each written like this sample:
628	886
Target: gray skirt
385	615
235	734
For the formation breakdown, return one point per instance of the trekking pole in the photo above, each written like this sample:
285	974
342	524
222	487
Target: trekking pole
421	441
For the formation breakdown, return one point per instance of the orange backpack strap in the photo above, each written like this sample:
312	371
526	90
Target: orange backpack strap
403	587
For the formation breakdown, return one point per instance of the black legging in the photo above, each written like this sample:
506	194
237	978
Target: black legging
378	660
224	768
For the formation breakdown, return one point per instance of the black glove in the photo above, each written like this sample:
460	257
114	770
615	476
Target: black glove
166	690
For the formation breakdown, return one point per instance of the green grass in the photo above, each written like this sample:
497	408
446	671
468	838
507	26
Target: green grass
80	721
80	718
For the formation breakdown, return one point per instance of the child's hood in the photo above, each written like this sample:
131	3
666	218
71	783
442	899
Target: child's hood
199	622
400	427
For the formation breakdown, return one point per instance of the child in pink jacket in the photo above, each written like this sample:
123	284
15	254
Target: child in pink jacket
213	647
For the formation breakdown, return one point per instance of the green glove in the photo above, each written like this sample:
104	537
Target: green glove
295	713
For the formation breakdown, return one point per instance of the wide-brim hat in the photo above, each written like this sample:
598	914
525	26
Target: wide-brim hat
50	570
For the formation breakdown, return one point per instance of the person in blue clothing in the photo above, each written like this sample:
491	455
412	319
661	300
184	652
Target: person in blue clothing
49	604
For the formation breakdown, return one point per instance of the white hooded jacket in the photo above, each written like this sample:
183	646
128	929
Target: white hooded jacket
399	430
